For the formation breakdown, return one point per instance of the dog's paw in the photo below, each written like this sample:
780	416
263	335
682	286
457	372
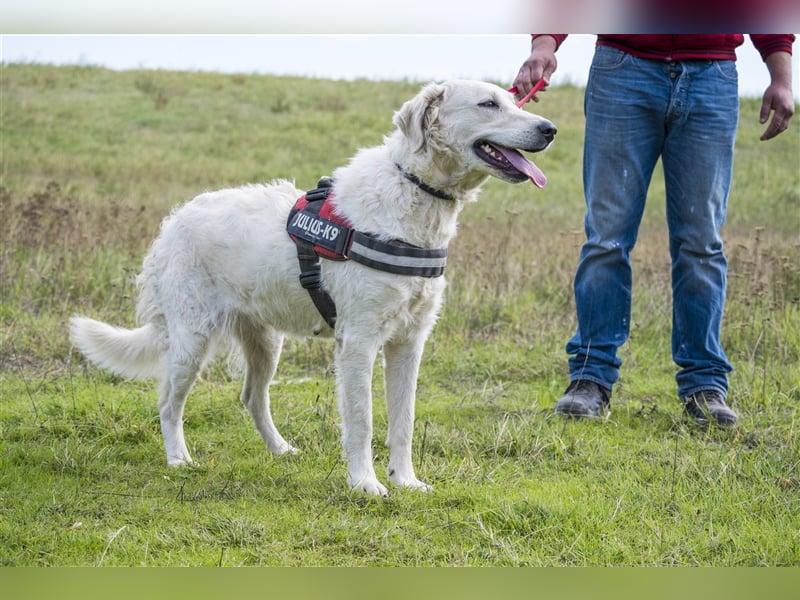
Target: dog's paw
371	486
418	485
284	449
179	461
413	484
405	478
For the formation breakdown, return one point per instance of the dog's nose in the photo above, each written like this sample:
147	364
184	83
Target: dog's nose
548	131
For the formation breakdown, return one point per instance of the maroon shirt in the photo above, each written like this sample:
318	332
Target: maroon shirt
690	46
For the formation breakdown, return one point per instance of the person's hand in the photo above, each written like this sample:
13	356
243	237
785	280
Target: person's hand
778	98
539	65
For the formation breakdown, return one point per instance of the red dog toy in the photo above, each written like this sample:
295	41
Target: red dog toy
539	85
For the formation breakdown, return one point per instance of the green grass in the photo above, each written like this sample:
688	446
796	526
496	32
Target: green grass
92	160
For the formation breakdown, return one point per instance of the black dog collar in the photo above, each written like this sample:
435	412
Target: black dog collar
424	186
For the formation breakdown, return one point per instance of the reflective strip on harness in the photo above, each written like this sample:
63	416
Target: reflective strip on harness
396	257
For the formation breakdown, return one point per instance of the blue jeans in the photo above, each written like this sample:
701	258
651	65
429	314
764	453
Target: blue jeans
638	110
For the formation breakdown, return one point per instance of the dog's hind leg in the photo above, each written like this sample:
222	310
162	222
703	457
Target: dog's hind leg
175	387
261	347
402	362
189	347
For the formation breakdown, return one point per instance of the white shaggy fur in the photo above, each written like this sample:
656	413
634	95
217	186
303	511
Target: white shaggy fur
223	265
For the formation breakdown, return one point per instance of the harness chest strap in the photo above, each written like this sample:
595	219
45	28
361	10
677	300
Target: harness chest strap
319	232
311	280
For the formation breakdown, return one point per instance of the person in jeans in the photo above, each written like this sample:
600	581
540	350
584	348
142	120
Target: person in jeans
673	97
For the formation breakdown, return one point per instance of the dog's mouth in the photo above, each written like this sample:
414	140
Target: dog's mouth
514	166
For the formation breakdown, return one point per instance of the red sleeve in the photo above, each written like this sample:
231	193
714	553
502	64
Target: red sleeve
770	43
558	37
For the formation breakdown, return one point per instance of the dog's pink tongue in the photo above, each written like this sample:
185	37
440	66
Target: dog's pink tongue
523	165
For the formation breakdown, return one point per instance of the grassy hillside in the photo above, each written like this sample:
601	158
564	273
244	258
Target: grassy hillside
92	160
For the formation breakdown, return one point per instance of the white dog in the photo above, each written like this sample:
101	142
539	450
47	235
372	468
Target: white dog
224	265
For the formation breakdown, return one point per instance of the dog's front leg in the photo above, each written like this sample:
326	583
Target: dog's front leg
355	358
402	368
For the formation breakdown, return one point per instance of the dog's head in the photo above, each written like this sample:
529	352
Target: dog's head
475	127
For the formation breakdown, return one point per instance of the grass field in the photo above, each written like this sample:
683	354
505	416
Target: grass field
93	159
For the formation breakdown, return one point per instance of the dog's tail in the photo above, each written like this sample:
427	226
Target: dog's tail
131	353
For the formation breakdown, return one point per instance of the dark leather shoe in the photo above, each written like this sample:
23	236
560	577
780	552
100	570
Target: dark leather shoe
708	406
584	398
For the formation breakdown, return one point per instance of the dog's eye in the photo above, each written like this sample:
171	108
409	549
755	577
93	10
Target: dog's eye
489	104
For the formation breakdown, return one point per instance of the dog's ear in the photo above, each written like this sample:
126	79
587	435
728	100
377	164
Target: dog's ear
419	116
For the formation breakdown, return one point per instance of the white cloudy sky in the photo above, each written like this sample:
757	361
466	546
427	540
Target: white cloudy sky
419	57
344	39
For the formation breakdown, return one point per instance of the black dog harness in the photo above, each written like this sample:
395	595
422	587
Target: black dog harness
319	232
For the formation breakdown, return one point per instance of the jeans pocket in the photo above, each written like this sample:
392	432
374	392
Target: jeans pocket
727	69
608	59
